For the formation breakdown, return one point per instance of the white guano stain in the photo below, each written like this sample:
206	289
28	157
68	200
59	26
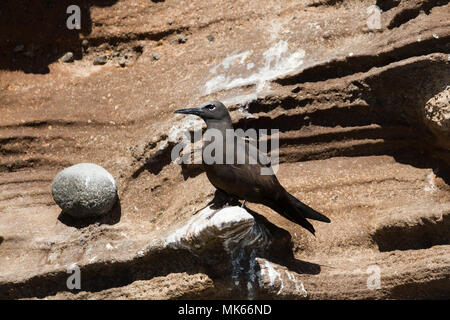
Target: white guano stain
239	234
298	284
277	63
273	276
209	221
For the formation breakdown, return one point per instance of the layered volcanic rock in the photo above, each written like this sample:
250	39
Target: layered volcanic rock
358	93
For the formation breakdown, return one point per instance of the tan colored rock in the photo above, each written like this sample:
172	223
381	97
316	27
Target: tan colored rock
173	286
437	116
437	110
363	138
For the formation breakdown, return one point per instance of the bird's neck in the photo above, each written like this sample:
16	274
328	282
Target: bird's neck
221	125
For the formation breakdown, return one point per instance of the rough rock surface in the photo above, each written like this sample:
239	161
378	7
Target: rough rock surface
229	245
437	117
84	190
362	119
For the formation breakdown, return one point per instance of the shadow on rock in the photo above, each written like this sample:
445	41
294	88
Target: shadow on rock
423	159
34	33
110	218
282	239
191	170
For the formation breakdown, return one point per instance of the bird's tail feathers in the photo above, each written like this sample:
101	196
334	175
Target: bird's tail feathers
296	211
306	211
289	211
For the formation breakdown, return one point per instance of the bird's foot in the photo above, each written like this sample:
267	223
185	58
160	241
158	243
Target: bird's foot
243	203
231	201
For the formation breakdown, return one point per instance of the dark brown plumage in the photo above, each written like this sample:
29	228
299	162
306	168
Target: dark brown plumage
245	181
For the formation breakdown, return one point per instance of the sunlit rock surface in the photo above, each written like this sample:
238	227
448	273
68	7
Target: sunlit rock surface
360	102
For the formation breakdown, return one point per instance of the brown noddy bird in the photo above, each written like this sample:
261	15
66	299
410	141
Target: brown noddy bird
245	181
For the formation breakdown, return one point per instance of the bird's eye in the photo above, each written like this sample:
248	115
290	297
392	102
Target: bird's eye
211	107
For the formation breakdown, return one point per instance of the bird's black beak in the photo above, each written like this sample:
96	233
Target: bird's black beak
195	111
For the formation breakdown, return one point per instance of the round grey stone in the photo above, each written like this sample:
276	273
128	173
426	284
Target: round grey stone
84	190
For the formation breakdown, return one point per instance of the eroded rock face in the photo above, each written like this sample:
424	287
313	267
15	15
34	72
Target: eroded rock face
223	247
361	112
